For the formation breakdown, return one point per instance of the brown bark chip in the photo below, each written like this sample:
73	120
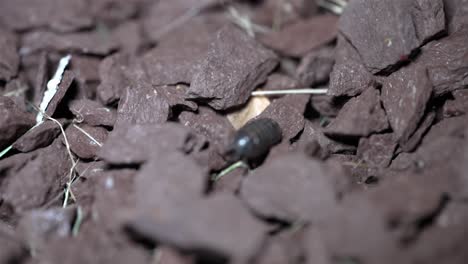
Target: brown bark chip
85	140
65	83
168	183
316	67
92	42
93	245
290	188
391	29
360	116
175	96
176	58
458	106
343	233
14	122
57	15
38	227
447	62
415	139
24	192
349	76
142	104
39	137
93	113
130	144
456	12
377	150
210	228
215	127
12	249
233	67
114	11
405	95
9	57
162	13
114	82
444	241
299	38
171	64
315	133
278	81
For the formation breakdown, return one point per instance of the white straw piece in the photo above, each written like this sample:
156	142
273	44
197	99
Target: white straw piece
335	6
52	87
291	91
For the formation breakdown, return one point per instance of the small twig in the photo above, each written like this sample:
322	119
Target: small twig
239	164
88	135
78	221
334	6
68	191
244	22
157	256
52	87
70	154
318	91
15	92
5	151
179	21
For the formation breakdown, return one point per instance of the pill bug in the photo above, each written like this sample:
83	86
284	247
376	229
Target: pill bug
254	140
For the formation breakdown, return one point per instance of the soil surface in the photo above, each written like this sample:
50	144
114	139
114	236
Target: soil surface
129	163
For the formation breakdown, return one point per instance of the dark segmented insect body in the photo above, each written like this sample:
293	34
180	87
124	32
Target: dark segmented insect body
254	140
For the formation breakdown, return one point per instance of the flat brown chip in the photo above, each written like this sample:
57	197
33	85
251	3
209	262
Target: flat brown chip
377	150
458	106
290	188
360	116
233	67
91	42
14	122
447	232
168	183
133	144
63	16
413	142
315	133
9	57
316	66
391	30
142	104
39	137
65	83
161	22
456	12
343	238
279	81
176	58
210	228
215	127
447	62
405	94
349	76
23	192
38	227
12	247
175	96
299	38
85	141
114	81
93	113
